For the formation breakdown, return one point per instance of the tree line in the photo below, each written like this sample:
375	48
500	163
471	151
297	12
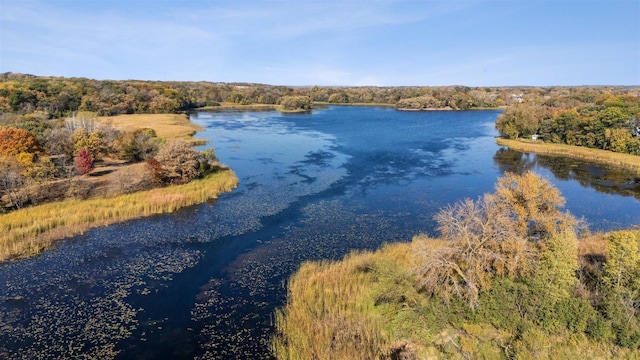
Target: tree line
57	97
602	121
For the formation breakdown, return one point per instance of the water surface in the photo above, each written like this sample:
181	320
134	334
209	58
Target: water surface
204	282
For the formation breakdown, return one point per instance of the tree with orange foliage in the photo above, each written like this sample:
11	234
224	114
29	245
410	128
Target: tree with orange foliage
16	141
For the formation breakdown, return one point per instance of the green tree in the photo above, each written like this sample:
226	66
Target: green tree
622	269
622	287
296	103
555	277
521	120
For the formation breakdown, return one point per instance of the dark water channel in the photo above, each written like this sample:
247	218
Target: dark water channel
204	282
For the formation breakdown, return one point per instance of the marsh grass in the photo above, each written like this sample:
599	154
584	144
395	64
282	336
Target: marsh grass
367	307
349	309
628	161
167	126
28	231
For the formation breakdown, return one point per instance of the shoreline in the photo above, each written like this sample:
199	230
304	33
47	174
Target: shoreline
606	157
28	231
238	107
23	237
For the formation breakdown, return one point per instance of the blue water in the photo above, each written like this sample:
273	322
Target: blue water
204	282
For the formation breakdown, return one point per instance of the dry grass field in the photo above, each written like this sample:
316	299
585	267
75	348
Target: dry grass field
167	126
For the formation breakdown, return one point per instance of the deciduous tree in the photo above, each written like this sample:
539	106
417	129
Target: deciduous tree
83	162
180	161
15	141
533	204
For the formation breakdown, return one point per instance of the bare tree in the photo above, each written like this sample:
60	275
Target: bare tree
180	162
497	235
480	243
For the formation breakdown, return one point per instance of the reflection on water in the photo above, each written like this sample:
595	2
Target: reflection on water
204	282
603	178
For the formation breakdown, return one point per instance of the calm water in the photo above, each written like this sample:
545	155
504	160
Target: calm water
204	282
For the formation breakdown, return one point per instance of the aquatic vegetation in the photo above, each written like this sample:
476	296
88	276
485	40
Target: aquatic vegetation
203	282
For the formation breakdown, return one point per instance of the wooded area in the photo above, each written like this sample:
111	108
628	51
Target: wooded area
601	121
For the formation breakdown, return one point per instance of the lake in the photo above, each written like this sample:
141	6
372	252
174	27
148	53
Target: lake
203	282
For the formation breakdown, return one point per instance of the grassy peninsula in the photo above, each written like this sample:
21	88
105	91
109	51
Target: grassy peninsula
27	232
508	279
627	161
166	126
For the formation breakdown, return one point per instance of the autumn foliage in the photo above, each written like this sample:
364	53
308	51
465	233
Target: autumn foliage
16	141
83	162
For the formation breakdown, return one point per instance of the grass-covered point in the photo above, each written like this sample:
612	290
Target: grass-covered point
28	231
509	278
61	178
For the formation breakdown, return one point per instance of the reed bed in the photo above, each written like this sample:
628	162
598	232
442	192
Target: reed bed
28	231
627	161
367	306
332	310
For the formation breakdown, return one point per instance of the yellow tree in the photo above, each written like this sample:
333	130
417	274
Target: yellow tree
533	204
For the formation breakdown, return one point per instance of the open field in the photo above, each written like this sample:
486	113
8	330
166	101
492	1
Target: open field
167	126
628	161
28	231
234	106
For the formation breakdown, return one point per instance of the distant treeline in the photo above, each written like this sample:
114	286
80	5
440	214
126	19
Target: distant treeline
56	97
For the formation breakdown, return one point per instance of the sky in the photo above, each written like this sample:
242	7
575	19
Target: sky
327	42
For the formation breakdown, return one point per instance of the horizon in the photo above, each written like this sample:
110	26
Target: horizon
237	83
384	43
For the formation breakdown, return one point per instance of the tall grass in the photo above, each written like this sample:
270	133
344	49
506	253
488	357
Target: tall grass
367	306
628	161
325	316
28	231
333	308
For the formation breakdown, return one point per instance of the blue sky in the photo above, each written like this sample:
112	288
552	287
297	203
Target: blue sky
330	42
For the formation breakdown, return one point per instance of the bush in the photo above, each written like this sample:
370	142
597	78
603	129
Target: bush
599	329
180	162
575	313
